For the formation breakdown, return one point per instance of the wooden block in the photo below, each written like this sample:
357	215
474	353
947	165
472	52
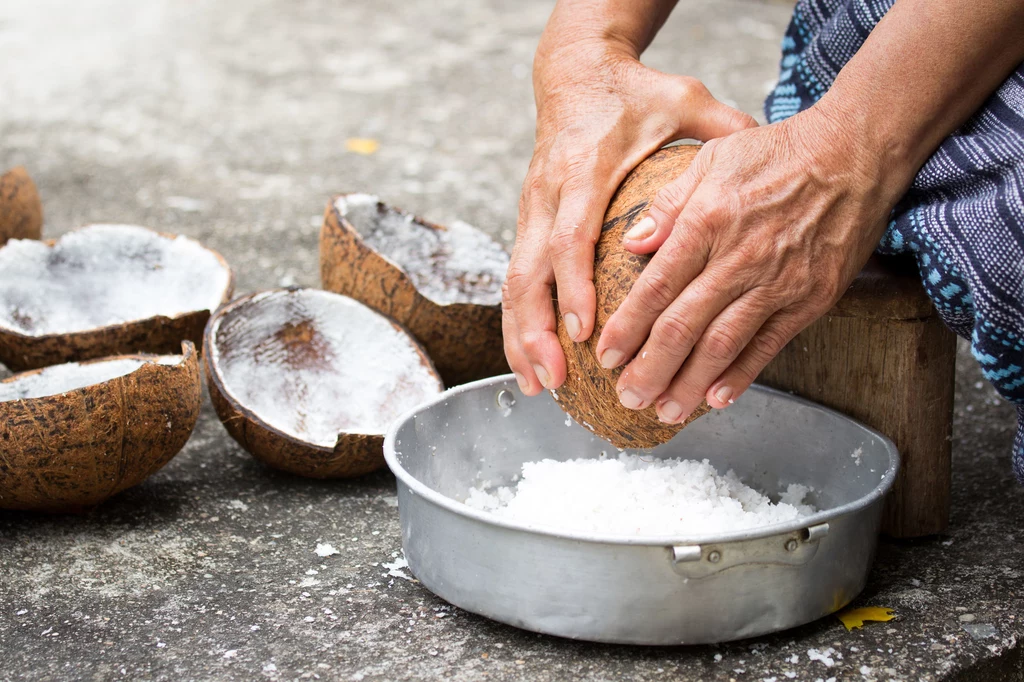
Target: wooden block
884	357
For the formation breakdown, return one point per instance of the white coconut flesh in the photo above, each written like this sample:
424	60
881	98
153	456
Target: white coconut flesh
104	275
459	264
314	365
60	379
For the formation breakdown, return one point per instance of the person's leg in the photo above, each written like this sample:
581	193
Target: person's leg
1018	446
964	220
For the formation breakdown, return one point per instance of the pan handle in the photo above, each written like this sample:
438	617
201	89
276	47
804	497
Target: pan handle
791	549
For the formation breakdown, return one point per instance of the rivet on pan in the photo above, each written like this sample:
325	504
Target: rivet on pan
714	556
505	400
791	545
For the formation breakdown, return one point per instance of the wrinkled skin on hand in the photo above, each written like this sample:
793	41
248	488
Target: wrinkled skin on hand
600	113
760	237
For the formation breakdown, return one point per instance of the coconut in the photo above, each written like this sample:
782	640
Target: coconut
21	212
308	381
73	435
105	290
442	283
589	393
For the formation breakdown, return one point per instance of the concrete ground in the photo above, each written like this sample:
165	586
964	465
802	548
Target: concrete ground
228	121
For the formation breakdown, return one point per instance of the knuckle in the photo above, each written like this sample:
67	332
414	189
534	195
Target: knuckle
691	88
533	343
566	241
517	282
722	342
673	329
506	304
534	187
708	148
654	292
573	170
669	198
829	291
815	292
711	213
771	340
534	184
706	156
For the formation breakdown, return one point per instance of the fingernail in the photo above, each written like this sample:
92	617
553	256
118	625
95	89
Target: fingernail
612	358
724	395
670	411
630	399
572	325
521	380
542	375
642	230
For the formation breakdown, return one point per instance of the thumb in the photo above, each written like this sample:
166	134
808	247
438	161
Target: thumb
651	231
701	116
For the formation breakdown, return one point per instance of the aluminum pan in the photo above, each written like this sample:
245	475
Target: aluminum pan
508	381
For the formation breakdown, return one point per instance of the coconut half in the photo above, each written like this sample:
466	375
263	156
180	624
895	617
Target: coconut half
73	435
308	381
21	212
589	393
105	290
442	283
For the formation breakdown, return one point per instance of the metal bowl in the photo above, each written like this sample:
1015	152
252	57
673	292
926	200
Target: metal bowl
639	590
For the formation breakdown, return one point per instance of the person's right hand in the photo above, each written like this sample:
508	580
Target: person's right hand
600	112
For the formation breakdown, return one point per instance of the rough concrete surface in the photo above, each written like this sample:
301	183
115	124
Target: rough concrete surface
227	121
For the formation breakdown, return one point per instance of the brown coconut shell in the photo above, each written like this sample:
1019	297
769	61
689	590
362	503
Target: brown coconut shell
72	451
353	454
21	211
463	339
589	393
157	335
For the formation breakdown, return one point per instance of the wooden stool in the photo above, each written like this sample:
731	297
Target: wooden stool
883	356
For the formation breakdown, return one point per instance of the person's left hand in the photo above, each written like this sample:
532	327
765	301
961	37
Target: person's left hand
757	239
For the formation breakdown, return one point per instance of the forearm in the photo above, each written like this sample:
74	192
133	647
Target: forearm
624	26
927	66
632	24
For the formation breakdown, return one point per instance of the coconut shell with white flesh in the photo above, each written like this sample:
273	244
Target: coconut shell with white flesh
308	381
73	435
442	283
21	212
105	290
589	393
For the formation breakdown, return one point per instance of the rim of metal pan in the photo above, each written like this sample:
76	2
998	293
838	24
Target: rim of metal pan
801	524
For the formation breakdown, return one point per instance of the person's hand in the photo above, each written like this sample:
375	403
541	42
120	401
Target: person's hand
600	112
757	239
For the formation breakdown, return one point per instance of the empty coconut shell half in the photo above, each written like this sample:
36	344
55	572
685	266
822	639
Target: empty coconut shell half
105	290
589	393
73	435
21	212
308	381
442	283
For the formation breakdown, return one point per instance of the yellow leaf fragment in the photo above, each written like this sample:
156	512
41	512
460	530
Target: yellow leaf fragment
362	145
855	618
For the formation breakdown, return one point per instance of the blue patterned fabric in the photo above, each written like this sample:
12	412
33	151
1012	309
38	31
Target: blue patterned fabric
963	217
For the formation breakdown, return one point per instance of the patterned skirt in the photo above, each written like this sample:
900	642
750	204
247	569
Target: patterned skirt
963	217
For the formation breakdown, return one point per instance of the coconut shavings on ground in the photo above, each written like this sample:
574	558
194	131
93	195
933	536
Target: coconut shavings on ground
325	549
633	495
